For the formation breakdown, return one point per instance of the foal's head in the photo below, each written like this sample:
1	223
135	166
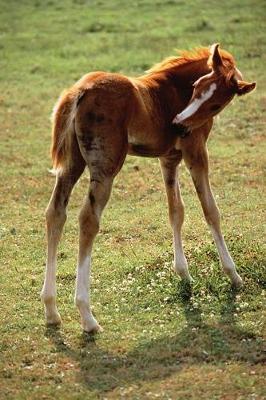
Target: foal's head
212	92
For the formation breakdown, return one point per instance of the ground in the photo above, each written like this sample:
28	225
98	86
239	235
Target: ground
161	339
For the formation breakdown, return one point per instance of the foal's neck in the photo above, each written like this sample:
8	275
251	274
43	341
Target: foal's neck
189	72
173	87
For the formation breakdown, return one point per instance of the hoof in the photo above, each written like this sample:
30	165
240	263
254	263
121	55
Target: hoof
52	317
183	273
54	321
94	331
187	279
92	327
237	281
180	267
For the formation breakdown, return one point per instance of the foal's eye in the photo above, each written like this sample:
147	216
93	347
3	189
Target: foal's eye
215	107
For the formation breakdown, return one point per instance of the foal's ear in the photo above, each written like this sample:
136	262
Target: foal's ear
244	87
215	59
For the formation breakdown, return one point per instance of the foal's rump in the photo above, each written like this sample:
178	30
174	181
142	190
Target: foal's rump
96	109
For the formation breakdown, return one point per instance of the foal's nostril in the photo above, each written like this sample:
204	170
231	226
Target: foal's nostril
180	130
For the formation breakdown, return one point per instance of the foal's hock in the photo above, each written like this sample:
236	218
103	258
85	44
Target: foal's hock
166	113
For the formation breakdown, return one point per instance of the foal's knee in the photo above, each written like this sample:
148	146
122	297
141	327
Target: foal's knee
212	216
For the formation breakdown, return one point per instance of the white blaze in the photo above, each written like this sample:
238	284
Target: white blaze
195	105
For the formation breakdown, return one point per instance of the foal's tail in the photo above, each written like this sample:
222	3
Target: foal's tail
63	126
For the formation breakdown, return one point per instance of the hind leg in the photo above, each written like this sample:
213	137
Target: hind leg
55	219
104	152
89	219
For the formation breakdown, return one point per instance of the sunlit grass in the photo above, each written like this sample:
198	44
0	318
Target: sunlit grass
161	338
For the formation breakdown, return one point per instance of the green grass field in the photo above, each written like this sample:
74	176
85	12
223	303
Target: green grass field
158	342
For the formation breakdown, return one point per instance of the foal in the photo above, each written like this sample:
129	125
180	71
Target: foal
167	113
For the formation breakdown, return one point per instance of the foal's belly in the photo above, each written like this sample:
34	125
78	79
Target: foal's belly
151	144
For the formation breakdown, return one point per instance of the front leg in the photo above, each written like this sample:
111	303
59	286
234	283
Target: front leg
176	211
198	168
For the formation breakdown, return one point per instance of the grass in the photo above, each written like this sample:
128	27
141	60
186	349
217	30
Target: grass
161	339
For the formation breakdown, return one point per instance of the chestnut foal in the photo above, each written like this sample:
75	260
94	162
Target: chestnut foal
167	113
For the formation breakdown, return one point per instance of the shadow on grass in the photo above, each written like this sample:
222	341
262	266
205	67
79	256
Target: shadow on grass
102	370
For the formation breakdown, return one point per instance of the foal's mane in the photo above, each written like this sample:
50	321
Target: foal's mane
171	64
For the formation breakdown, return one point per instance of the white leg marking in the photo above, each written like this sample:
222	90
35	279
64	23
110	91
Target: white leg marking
48	294
225	257
82	285
82	299
180	261
195	105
